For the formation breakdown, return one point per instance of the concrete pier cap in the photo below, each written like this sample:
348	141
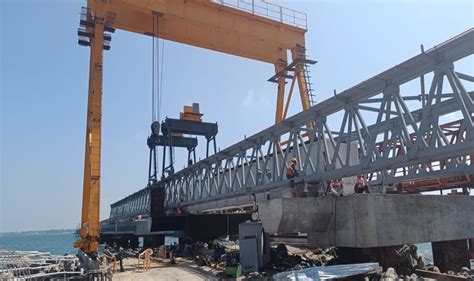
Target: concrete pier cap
371	220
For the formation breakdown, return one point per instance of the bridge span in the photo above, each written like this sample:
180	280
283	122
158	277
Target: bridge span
395	128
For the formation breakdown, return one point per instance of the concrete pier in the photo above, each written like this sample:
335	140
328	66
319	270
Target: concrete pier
451	255
371	220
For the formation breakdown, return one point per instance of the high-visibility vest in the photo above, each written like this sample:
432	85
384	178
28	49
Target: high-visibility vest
290	172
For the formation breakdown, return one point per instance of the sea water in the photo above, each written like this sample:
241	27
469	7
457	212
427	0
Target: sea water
61	242
54	242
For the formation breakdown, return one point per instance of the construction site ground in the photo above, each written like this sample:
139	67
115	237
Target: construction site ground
187	269
184	269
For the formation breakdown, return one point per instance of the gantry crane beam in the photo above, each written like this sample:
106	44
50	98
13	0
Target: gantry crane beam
209	25
213	26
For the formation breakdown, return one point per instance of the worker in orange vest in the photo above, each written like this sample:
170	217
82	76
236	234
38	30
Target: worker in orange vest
292	171
360	186
291	174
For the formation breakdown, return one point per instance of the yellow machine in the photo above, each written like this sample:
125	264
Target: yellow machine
244	32
191	113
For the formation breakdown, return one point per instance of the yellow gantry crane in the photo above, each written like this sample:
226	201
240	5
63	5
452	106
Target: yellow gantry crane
247	28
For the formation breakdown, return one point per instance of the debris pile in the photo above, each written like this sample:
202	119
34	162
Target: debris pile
413	266
321	257
409	260
224	255
282	260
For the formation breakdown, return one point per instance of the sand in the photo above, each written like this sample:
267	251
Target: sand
162	270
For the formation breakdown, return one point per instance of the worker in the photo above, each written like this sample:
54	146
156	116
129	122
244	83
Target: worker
335	188
360	186
400	188
292	171
291	174
119	256
111	257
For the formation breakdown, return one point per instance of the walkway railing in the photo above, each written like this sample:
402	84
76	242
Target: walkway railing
268	10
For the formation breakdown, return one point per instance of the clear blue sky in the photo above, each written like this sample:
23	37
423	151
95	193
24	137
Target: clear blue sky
44	75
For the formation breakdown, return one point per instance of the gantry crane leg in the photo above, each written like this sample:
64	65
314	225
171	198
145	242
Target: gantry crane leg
91	186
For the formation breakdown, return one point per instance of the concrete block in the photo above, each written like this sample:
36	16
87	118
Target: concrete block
284	192
143	227
371	220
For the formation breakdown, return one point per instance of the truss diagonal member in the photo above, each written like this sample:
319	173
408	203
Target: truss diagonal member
465	76
307	154
362	142
460	93
370	140
427	113
338	145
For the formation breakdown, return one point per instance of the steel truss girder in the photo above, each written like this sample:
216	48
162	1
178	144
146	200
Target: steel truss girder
392	140
138	203
361	145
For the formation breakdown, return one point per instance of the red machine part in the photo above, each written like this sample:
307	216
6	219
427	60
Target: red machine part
452	131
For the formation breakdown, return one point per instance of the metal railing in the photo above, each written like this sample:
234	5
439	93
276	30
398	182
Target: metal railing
268	10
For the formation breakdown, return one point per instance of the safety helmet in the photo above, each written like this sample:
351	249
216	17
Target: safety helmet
294	160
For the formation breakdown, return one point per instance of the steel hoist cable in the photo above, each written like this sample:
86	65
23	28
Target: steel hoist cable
157	73
160	89
153	72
